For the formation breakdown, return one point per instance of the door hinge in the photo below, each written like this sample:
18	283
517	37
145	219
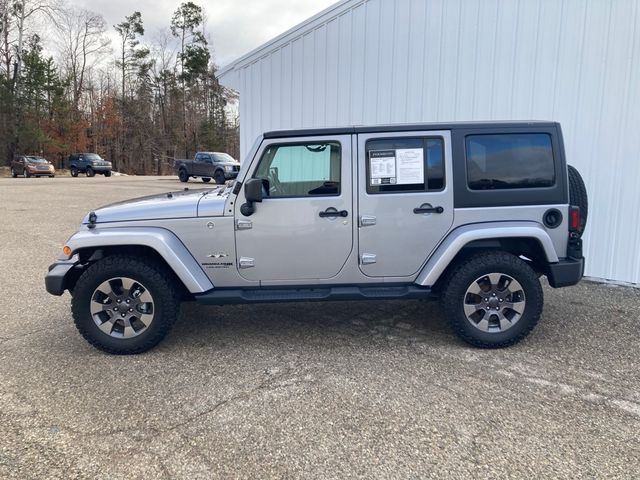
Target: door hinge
246	262
244	224
367	258
367	220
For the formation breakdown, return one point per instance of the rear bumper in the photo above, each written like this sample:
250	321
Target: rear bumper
56	280
566	272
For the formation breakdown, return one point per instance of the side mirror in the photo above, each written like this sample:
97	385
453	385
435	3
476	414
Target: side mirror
253	194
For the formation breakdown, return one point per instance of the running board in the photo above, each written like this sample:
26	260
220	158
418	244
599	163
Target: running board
227	296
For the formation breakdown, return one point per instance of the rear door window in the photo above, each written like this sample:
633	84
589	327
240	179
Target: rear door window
509	161
402	165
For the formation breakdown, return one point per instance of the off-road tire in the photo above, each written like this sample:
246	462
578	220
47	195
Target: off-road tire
462	275
578	196
74	171
219	177
206	179
89	172
183	175
154	276
13	173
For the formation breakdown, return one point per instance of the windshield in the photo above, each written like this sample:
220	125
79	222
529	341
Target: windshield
92	156
36	160
222	157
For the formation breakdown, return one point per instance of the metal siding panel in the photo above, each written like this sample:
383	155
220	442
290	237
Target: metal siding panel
572	61
358	33
371	62
466	61
385	61
434	58
416	54
400	62
485	44
286	107
306	106
344	69
275	92
333	72
320	73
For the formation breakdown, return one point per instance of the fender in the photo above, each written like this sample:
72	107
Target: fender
461	236
164	242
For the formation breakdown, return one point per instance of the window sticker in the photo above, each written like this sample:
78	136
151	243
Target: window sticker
403	166
410	166
382	165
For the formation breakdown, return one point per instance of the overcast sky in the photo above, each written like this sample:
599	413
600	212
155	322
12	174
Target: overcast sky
235	26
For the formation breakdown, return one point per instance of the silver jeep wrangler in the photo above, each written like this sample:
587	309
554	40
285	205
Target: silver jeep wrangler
470	213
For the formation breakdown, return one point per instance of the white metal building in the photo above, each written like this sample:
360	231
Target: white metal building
398	61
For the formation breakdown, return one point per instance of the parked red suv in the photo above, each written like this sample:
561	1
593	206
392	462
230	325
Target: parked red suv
30	166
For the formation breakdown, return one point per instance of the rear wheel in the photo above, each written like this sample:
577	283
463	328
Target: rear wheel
183	175
26	173
125	305
219	177
492	299
13	173
89	172
74	171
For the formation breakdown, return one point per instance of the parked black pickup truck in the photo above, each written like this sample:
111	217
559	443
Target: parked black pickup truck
207	165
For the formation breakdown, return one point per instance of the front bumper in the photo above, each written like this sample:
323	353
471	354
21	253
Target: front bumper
101	168
566	272
60	273
230	175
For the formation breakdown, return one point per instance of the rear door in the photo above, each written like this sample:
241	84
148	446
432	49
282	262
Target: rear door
405	199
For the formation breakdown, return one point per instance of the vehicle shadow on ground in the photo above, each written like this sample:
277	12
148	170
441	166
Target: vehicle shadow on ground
354	322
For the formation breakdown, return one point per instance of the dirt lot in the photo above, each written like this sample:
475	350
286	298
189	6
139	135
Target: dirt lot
369	390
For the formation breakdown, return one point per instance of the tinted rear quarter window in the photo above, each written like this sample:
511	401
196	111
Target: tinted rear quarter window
509	161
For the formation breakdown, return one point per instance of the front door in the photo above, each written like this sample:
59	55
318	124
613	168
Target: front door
302	231
405	200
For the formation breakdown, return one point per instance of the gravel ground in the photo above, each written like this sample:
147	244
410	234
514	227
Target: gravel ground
335	390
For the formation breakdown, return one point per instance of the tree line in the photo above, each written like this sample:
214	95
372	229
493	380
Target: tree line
138	103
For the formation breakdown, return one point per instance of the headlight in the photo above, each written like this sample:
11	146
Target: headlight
228	168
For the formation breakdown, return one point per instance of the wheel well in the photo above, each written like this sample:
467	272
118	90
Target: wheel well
529	249
90	255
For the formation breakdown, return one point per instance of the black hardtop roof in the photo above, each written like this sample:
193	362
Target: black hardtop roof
407	127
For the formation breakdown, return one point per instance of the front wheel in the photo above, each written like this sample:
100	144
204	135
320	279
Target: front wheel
125	305
89	172
26	173
107	174
206	179
492	299
13	173
74	172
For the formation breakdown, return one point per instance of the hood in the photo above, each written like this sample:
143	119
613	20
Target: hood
181	204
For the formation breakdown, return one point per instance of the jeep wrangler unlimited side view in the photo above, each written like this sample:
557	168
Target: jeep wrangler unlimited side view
471	213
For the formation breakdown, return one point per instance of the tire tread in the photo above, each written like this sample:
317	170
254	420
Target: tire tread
457	281
166	297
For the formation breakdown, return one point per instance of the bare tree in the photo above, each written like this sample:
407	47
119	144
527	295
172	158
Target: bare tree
83	41
24	11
